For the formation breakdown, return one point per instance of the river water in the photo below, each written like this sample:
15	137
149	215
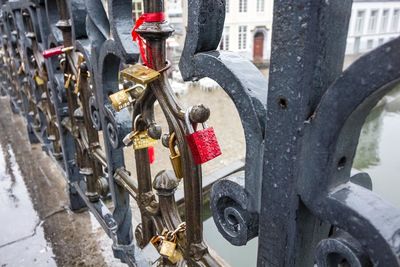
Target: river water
379	147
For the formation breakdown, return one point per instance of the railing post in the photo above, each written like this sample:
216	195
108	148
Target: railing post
308	45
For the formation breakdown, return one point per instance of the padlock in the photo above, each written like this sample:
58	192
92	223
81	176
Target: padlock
142	140
140	74
67	81
168	247
203	143
55	51
39	81
81	59
176	257
149	253
139	139
77	86
123	98
175	157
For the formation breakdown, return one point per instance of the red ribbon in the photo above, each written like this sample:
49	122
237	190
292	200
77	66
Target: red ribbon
151	154
146	17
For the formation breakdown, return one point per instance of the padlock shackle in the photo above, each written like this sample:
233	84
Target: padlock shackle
128	138
171	145
156	239
188	124
135	122
171	237
136	86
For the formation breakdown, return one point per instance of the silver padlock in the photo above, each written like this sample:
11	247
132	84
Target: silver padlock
148	256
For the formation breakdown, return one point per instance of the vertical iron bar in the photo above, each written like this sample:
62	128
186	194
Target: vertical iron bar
64	25
314	32
196	250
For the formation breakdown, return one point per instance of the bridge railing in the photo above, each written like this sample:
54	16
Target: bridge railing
71	69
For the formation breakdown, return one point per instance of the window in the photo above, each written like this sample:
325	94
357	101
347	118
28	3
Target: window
224	45
357	42
373	19
242	37
381	41
370	44
260	5
227	6
137	9
242	5
384	20
359	22
395	20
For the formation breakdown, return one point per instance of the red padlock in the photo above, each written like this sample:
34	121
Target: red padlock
203	143
55	51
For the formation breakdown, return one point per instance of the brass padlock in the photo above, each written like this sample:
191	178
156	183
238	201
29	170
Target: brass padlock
140	74
176	256
67	81
168	247
123	98
120	100
39	81
175	157
81	59
139	139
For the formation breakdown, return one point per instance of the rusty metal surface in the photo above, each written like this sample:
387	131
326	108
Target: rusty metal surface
301	128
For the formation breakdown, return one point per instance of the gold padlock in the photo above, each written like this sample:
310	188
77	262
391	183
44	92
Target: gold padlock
140	74
67	81
168	247
175	157
176	256
39	81
142	140
123	98
81	59
77	86
120	100
156	241
139	139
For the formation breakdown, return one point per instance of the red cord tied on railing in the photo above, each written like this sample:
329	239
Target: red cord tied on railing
146	17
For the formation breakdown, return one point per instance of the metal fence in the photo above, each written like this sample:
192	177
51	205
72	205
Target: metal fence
71	69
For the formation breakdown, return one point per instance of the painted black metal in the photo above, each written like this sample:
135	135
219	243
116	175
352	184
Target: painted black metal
295	191
247	88
313	124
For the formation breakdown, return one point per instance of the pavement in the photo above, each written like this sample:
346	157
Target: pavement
37	228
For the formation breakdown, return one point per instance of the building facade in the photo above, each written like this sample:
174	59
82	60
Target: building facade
248	26
247	29
372	24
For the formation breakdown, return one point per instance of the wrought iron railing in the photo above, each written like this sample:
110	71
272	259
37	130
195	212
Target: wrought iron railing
65	66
